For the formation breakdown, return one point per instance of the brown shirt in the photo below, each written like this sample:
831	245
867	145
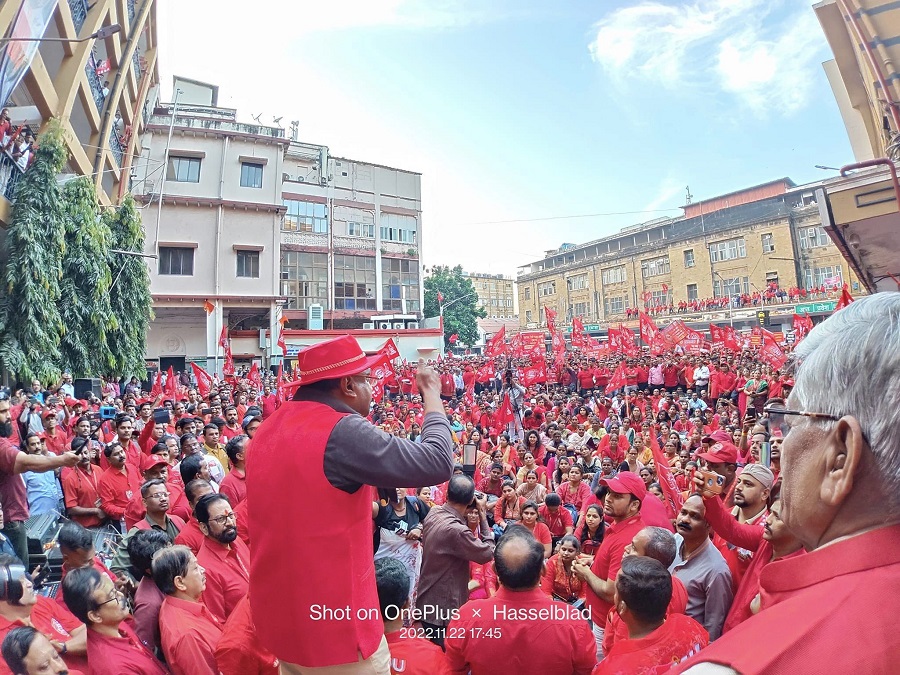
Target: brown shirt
448	546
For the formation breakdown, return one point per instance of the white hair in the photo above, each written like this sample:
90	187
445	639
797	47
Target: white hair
850	365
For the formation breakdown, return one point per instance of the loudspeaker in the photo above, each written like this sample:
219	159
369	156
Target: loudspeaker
86	385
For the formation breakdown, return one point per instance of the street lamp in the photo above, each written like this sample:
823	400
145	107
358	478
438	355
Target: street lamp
102	34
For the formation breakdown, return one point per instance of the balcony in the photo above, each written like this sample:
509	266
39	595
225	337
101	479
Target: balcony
116	146
214	124
90	69
10	174
79	10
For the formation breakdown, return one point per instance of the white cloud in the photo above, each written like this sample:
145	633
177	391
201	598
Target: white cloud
724	44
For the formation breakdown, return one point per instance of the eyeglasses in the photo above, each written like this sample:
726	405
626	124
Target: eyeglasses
372	380
777	415
117	594
221	520
159	495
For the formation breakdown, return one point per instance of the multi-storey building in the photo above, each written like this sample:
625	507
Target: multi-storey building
250	226
730	245
95	87
496	294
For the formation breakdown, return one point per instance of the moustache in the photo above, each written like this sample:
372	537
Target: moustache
684	526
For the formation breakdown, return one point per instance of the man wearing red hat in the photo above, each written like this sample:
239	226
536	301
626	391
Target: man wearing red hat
314	610
722	458
623	506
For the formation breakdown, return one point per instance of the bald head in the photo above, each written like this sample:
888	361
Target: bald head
654	542
519	559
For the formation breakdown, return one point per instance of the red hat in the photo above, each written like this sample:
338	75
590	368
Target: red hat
48	412
332	359
71	401
627	483
721	453
151	461
718	436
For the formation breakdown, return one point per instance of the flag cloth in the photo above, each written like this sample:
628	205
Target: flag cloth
505	414
536	373
618	379
171	387
802	326
771	353
209	307
228	368
254	376
673	500
845	298
551	318
724	337
280	342
204	380
648	328
579	338
156	389
279	383
497	344
453	338
390	350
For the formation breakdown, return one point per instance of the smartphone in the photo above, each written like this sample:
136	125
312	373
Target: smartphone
206	411
713	483
161	416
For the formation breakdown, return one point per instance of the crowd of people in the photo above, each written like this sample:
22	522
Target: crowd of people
710	513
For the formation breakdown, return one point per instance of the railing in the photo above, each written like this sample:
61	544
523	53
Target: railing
79	10
90	70
219	125
10	174
118	149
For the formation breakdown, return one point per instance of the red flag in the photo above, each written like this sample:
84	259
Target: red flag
802	326
665	288
845	299
551	318
228	368
618	379
724	337
536	373
390	350
453	338
673	499
281	342
156	389
171	388
209	307
204	381
648	328
254	376
440	297
279	391
558	345
497	344
505	413
772	354
578	332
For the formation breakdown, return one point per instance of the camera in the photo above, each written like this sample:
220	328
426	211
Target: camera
107	412
712	482
161	416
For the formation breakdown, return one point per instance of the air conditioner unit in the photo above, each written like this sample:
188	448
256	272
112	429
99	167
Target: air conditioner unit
368	326
315	318
412	325
384	325
399	326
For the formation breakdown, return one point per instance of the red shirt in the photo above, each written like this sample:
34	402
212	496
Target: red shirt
228	433
556	522
117	656
617	630
608	560
81	488
268	405
497	635
57	444
850	579
239	651
116	490
679	637
189	634
191	536
227	575
12	487
234	486
54	621
413	656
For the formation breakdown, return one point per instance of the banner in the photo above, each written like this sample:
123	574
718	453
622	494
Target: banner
673	499
534	374
31	21
648	328
204	380
724	337
551	318
533	344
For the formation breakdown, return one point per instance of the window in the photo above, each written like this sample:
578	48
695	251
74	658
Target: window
399	282
811	237
689	258
304	217
176	260
248	264
184	169
398	228
771	278
727	250
768	243
361	230
614	275
547	288
831	276
579	309
659	298
304	279
692	292
527	316
354	282
655	267
729	287
577	283
251	175
528	292
615	305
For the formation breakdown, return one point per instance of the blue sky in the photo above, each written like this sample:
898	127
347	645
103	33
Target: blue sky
519	110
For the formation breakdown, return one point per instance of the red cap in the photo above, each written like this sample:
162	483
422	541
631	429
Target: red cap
627	482
718	436
71	401
331	359
151	461
48	412
721	453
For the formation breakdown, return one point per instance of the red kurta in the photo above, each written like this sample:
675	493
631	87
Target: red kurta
239	651
227	575
125	654
189	635
679	637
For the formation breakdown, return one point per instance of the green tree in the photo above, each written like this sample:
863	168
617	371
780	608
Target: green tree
85	310
30	322
129	294
461	310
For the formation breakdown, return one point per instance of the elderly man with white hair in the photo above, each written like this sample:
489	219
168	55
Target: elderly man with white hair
832	609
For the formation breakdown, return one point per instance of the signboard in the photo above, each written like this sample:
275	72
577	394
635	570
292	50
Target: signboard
814	307
293	350
588	328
